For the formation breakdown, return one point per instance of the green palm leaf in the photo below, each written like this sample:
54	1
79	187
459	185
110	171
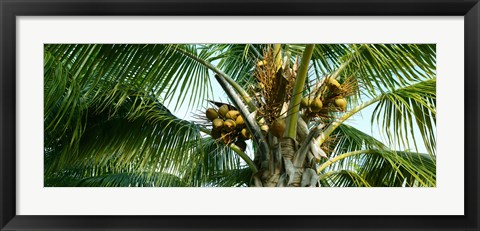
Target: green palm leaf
73	178
360	160
136	133
210	158
237	60
400	111
385	67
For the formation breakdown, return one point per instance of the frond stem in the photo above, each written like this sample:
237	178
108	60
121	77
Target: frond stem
249	118
245	157
343	156
294	105
246	97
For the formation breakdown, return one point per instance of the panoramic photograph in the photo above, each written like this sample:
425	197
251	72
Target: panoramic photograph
239	115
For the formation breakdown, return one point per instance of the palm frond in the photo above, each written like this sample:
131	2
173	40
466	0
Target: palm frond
368	160
210	158
112	179
135	133
348	139
343	178
386	67
159	70
384	168
378	67
326	58
232	178
237	60
401	111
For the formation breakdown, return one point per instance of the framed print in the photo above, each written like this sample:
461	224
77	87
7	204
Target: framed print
186	115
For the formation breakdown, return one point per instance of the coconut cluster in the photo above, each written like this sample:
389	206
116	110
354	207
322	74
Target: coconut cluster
336	88
333	97
228	126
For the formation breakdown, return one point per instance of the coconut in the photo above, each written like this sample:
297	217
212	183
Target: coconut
239	121
264	128
245	134
304	103
333	83
229	125
278	128
261	121
217	124
316	105
223	110
232	114
241	144
211	114
341	103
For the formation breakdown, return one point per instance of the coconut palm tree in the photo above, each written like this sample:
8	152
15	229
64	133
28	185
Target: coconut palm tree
283	123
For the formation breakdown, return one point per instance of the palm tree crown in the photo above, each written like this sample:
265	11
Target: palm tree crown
106	123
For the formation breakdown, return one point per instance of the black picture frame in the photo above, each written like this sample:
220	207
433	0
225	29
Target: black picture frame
469	9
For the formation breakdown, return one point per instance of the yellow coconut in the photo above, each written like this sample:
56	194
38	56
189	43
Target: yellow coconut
229	125
341	103
245	134
241	144
232	114
264	128
333	83
211	114
316	105
261	121
278	128
217	124
239	121
223	110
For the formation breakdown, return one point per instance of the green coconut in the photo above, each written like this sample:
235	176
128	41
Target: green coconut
223	110
217	124
316	105
304	103
211	114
